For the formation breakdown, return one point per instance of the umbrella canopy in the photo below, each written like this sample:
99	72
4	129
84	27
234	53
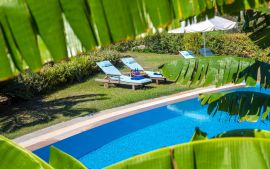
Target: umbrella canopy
214	24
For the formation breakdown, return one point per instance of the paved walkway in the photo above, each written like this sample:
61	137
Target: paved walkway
67	129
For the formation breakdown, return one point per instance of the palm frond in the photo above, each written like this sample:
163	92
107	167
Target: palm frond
233	153
13	156
30	29
255	133
245	133
61	160
249	106
198	135
216	71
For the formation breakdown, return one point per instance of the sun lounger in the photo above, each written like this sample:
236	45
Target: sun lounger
114	76
206	52
133	65
187	54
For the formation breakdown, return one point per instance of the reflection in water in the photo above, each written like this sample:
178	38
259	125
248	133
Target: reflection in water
190	113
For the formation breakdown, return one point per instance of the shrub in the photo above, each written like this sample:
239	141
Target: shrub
125	45
222	43
193	42
158	43
233	44
58	75
163	43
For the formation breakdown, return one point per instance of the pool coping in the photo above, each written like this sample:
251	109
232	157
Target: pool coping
61	131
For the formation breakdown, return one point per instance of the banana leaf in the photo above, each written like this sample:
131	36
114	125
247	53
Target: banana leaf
245	133
216	71
233	153
61	160
50	26
77	17
15	157
248	106
25	23
255	133
199	135
154	160
5	67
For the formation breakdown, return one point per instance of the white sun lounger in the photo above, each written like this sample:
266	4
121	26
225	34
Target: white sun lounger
114	76
206	52
133	65
187	54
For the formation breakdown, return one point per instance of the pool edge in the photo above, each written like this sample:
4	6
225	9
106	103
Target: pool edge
58	132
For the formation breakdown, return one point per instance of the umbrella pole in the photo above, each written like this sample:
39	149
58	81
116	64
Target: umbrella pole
204	43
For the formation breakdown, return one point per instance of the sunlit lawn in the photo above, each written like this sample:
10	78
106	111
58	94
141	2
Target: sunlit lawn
80	100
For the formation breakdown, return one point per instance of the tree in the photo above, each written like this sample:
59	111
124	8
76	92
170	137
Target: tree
33	32
30	35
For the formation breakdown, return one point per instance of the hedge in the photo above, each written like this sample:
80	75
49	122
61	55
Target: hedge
51	77
222	43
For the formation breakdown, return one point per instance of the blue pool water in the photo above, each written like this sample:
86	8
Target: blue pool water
147	131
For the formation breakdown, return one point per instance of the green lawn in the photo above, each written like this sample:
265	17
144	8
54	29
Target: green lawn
80	100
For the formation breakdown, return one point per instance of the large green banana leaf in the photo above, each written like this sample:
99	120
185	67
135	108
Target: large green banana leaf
13	156
249	106
255	133
215	71
222	153
246	133
61	160
25	24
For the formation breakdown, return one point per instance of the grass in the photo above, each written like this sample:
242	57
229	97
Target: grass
81	99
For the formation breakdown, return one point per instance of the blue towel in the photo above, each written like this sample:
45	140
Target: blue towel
157	74
137	78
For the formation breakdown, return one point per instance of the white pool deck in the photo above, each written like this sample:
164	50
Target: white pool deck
58	132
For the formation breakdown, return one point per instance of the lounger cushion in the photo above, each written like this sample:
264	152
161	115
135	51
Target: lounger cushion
153	74
129	80
130	60
187	54
132	64
137	77
108	68
105	64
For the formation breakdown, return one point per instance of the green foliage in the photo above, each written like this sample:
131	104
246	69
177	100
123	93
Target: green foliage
245	133
236	44
53	76
15	89
25	23
234	153
205	71
61	160
249	106
162	43
255	133
193	42
223	70
198	135
154	160
13	157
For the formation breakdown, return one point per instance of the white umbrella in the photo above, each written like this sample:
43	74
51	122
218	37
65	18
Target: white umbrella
214	24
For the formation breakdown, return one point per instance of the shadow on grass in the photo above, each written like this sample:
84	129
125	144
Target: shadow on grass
39	111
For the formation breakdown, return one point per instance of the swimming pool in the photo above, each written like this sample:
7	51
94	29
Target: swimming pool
147	131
